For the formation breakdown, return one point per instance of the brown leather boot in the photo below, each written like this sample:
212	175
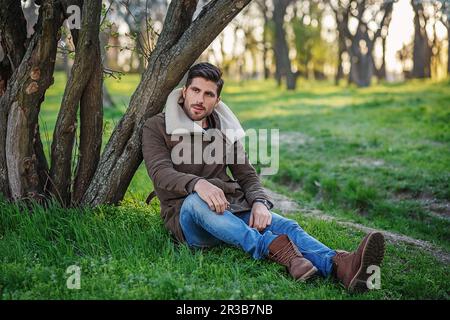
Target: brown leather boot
283	251
351	267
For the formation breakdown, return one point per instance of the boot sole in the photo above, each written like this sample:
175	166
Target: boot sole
373	254
307	275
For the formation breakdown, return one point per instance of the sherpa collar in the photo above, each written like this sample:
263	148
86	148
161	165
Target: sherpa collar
177	122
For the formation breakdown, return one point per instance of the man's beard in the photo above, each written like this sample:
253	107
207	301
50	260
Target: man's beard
195	117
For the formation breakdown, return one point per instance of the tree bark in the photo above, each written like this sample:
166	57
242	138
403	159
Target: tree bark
421	49
91	128
65	129
23	98
281	49
13	30
264	10
179	44
13	33
381	72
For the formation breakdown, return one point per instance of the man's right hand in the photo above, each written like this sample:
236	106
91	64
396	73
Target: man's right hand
212	195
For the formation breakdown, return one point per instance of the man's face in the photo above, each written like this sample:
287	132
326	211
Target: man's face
200	98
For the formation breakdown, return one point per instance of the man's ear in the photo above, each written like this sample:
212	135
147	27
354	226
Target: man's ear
217	103
184	92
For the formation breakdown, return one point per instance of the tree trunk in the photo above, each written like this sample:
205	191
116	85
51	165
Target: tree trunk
341	14
5	73
341	50
91	127
13	32
23	98
264	11
382	71
281	49
65	129
421	49
363	70
362	64
179	44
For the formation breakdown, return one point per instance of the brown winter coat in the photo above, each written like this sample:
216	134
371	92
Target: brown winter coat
174	182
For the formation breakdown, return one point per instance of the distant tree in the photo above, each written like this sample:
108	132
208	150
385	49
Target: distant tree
264	9
372	20
342	13
312	50
422	48
281	49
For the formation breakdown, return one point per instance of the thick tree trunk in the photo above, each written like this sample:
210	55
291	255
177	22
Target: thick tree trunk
66	126
421	49
23	98
362	70
179	44
281	49
13	30
13	33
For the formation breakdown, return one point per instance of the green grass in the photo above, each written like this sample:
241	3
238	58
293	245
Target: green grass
372	155
366	155
125	253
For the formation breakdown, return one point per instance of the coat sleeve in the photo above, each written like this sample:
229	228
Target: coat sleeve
246	176
159	164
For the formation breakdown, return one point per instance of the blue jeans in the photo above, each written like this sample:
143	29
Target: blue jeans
203	228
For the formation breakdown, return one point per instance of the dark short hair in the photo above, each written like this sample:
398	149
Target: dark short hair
207	71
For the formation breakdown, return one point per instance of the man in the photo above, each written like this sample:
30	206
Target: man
203	206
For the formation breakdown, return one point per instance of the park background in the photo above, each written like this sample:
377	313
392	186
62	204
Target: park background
359	91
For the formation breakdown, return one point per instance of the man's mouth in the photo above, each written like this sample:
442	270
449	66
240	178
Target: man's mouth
198	108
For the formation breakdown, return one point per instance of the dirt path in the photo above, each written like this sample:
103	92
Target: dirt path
288	206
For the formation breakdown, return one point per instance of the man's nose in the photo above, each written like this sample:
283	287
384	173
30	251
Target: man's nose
200	100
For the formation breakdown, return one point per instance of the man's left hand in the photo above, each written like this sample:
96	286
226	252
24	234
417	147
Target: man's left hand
260	217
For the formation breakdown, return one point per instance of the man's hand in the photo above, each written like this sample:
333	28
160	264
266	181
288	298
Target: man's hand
212	195
260	217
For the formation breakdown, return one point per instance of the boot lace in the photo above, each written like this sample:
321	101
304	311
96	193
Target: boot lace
286	254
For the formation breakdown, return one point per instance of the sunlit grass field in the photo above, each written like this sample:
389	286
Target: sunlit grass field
378	156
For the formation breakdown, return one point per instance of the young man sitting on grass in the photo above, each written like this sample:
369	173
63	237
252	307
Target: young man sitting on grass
204	207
